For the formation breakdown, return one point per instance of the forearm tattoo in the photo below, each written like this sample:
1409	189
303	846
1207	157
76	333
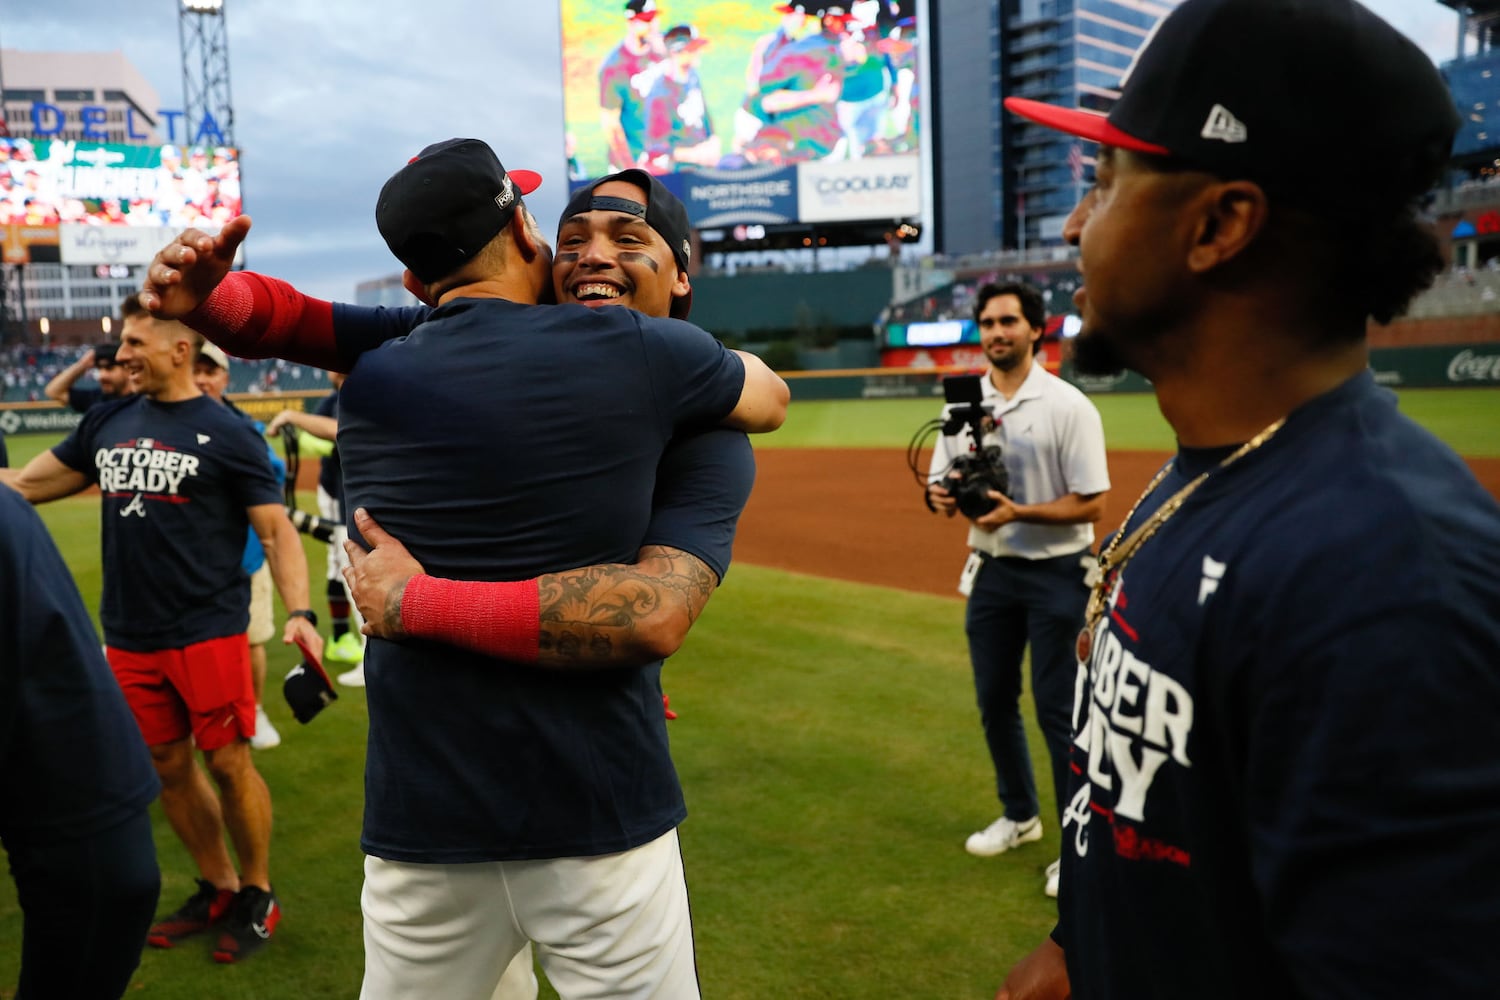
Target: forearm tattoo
598	615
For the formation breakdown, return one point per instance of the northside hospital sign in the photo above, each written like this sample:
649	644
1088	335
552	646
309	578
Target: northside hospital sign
48	120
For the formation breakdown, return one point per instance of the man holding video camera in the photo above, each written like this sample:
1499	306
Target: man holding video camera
1031	541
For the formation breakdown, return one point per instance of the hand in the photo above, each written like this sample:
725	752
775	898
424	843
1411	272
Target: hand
940	498
300	628
1005	512
185	271
277	422
377	578
1042	975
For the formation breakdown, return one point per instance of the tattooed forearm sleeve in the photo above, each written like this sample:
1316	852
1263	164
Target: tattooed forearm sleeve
622	615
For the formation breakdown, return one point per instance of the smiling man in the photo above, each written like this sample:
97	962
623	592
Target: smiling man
181	479
1029	554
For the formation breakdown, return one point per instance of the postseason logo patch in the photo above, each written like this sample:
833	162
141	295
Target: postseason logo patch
506	196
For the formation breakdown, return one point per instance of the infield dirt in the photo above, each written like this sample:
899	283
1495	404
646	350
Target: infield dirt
857	514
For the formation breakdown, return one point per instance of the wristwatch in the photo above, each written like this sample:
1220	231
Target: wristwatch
307	613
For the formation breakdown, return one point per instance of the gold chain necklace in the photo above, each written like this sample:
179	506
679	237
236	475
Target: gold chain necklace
1121	548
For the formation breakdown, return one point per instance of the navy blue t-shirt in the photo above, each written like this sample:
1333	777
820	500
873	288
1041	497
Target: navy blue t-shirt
82	398
702	485
1285	775
72	762
175	480
501	441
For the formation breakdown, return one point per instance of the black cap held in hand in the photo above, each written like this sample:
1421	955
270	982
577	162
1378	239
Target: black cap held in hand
449	200
1317	99
307	688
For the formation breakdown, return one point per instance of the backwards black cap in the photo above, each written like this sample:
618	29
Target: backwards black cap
449	200
104	354
1314	98
663	212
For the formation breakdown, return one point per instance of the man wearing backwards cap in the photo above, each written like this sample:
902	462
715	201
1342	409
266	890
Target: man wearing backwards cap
561	798
114	381
1285	781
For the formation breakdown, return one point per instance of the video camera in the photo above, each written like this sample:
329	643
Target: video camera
979	471
312	524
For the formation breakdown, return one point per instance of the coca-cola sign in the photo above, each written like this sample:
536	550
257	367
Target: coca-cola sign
1467	366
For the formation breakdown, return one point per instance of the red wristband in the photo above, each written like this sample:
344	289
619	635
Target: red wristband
496	619
253	316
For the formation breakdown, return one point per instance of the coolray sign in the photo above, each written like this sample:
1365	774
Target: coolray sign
48	120
764	196
92	245
879	187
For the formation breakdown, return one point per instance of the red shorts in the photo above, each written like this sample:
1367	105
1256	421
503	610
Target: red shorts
204	689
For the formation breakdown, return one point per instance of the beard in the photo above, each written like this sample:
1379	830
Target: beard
1094	354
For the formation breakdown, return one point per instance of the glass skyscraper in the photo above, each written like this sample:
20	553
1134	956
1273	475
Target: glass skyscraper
1002	183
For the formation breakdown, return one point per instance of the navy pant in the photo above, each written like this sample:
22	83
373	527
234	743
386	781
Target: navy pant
1013	602
88	904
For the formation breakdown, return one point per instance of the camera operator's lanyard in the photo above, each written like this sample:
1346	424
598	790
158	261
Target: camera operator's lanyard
1113	559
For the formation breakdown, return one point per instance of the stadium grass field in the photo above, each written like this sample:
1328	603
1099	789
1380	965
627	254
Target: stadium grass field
828	745
1467	419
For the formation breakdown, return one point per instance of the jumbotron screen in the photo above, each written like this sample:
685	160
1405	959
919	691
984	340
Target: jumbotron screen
48	182
752	113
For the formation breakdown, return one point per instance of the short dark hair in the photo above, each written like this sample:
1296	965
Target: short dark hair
1353	271
1033	306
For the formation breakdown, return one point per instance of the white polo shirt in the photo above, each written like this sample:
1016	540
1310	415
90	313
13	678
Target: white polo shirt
1052	443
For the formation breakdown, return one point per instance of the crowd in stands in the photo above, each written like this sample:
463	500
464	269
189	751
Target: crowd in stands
27	369
956	300
196	187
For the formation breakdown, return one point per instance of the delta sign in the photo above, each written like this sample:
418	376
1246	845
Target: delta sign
48	120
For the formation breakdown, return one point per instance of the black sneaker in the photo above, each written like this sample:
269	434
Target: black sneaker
203	909
250	923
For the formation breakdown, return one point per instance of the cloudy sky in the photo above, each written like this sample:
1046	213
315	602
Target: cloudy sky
331	96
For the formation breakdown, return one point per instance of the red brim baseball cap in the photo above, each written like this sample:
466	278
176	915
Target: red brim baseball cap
449	200
1287	93
307	688
1090	125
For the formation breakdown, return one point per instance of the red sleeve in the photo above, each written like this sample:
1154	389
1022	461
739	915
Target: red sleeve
253	316
496	619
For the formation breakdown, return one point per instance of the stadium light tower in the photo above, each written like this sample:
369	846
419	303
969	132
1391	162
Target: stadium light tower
208	113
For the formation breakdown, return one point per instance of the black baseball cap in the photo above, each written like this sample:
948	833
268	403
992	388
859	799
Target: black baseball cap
307	688
640	10
449	200
104	354
1320	101
663	212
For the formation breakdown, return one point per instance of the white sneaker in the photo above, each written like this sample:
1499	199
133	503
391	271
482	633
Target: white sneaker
1003	834
1053	871
266	735
353	678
